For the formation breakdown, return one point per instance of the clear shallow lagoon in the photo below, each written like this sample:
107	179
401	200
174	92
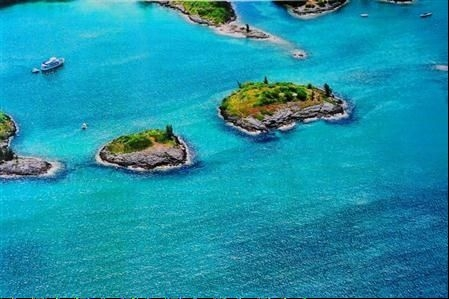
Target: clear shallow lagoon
357	208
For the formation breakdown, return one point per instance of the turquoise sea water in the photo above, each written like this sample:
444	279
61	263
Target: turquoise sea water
355	208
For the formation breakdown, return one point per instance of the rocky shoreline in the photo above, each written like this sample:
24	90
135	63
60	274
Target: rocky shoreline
309	9
261	107
152	159
14	166
231	27
287	117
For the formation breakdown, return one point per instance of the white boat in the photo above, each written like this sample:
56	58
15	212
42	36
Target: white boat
84	126
364	15
425	15
35	71
52	63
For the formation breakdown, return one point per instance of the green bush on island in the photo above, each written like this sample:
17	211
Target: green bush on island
6	126
142	140
259	99
218	13
6	154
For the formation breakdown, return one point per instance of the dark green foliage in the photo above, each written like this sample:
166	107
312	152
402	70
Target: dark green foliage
169	132
327	90
6	154
309	86
281	93
265	80
139	143
218	12
301	94
321	3
247	28
239	84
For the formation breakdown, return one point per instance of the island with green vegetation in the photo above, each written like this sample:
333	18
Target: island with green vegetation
262	107
144	151
12	165
311	8
219	15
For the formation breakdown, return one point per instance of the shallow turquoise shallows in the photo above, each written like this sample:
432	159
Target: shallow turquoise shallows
353	208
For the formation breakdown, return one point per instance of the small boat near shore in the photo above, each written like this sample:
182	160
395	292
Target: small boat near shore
425	15
52	63
35	71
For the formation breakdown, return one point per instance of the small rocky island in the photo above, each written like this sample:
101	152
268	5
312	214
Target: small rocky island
219	15
149	150
13	166
310	8
261	107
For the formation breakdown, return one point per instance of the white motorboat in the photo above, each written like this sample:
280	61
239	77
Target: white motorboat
52	63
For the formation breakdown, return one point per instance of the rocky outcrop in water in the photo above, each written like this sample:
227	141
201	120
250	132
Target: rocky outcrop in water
12	165
286	116
158	156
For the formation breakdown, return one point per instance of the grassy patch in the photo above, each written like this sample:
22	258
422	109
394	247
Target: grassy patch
259	99
216	12
6	126
141	141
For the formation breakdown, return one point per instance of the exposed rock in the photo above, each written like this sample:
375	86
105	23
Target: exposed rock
306	8
286	116
149	159
24	166
16	166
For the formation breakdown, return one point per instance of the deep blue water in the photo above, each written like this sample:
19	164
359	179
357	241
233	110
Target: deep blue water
356	208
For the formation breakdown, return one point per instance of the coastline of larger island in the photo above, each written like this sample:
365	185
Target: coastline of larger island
218	15
150	150
261	107
14	166
221	17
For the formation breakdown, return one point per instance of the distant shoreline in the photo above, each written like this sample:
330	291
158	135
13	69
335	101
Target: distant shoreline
233	28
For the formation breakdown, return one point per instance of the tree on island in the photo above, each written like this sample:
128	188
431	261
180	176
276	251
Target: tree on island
6	154
169	132
265	80
327	90
247	28
239	84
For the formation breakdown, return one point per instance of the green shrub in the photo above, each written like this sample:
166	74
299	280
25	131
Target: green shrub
138	143
6	154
